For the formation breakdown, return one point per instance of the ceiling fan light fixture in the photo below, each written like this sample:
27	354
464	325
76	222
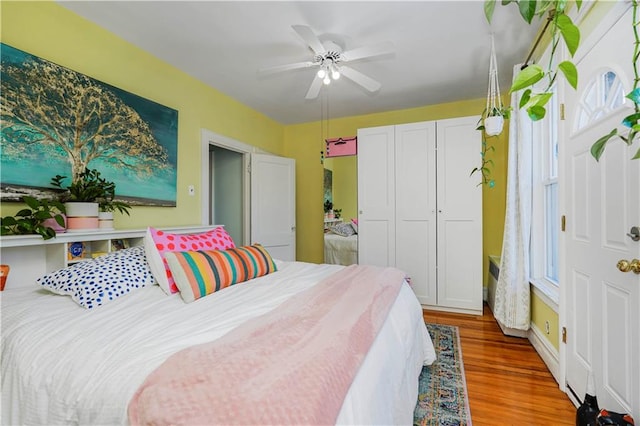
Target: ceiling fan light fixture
335	74
322	73
326	80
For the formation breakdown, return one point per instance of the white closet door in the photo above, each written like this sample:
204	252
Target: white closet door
273	205
376	196
416	207
459	215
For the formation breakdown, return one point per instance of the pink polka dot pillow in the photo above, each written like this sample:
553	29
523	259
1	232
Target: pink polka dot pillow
157	243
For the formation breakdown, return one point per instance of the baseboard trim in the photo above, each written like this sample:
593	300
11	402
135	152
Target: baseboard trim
545	349
454	310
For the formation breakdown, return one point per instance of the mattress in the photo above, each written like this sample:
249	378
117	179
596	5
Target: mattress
62	364
339	250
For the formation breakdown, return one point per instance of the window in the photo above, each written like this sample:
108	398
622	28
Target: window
545	221
603	94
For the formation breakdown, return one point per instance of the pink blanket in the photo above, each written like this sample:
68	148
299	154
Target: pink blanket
293	365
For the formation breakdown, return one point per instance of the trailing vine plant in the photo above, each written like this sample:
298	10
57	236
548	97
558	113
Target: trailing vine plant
632	121
486	163
562	28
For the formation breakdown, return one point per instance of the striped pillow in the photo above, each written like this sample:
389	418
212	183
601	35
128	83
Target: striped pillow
199	273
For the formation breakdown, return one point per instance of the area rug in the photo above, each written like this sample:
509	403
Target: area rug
442	391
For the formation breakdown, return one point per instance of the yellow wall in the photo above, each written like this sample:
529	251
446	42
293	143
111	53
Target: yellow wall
540	313
304	142
50	31
345	184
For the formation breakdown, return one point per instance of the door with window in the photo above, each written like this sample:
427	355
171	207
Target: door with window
602	205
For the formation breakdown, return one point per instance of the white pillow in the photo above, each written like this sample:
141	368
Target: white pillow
343	229
93	283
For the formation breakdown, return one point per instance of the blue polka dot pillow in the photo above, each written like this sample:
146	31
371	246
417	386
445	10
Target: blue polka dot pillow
95	282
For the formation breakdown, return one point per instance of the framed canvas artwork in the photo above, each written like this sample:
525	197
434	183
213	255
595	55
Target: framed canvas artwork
58	121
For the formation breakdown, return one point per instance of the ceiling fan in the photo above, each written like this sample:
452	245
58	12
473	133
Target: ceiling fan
330	62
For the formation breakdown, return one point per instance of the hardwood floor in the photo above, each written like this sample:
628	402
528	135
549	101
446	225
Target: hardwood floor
507	381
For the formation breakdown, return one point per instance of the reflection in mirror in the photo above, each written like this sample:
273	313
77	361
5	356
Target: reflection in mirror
340	206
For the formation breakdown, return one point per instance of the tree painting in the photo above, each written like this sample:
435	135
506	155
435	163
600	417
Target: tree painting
57	121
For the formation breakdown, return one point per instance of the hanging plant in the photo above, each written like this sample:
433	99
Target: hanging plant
486	163
562	28
494	113
491	120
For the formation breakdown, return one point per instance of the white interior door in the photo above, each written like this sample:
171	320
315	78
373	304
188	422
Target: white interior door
415	154
376	196
459	207
273	205
602	309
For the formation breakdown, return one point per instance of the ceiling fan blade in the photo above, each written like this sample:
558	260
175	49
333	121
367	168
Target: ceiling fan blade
286	67
367	52
310	38
359	78
314	89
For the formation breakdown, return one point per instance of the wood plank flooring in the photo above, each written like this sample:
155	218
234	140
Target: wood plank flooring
507	381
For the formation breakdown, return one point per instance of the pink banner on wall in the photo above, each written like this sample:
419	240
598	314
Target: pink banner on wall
340	147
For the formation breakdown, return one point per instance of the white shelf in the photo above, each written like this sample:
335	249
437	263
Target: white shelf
96	234
31	256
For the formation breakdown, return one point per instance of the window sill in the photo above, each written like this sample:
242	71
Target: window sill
547	292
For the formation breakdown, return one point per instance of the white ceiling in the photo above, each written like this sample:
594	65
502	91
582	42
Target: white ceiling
441	48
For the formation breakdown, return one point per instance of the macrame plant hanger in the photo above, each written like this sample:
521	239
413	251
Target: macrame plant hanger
493	119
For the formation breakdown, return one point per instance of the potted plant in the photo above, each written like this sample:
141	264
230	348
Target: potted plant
34	219
494	120
86	196
107	205
328	209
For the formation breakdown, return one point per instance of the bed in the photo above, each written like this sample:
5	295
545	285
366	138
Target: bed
62	364
340	250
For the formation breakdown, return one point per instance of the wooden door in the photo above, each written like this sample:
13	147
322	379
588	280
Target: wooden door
273	205
602	202
459	205
376	196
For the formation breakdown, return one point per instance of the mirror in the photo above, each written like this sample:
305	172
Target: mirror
340	204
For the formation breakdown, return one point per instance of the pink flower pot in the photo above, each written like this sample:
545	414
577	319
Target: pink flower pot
51	223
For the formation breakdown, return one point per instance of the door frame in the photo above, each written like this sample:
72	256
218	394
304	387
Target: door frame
207	139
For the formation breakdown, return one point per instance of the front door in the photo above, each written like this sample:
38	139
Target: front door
602	313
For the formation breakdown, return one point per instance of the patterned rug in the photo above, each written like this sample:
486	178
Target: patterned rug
442	392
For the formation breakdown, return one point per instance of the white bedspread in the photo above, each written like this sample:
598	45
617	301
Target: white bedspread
339	250
62	364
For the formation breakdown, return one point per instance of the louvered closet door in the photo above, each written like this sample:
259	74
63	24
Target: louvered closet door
459	215
416	206
376	196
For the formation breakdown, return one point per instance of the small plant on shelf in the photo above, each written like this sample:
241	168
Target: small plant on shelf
90	187
31	220
328	206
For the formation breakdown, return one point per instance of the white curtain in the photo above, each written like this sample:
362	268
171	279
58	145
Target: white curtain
512	297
